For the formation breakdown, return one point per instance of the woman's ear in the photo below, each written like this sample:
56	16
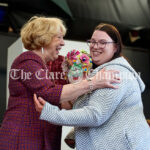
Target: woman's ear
115	48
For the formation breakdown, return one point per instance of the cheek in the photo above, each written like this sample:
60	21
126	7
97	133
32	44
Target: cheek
90	50
114	51
109	55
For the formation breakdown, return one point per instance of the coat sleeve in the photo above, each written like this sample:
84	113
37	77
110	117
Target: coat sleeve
102	103
37	79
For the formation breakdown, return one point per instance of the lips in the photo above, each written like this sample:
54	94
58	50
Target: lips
95	53
58	49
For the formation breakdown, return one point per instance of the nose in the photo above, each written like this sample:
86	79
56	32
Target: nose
95	46
62	42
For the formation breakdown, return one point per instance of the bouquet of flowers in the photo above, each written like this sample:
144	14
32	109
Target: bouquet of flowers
76	65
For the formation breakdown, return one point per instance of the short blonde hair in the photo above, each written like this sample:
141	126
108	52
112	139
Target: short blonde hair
39	31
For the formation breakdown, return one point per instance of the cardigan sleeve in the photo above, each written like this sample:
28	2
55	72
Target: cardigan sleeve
102	103
37	79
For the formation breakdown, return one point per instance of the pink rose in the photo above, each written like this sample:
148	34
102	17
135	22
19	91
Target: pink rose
84	58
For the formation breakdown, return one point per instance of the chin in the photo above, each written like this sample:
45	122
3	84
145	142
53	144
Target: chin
97	62
56	57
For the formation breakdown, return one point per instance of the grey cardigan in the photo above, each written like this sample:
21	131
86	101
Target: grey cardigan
107	119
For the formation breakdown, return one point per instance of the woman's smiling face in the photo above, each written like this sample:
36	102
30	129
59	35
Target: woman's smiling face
52	50
102	47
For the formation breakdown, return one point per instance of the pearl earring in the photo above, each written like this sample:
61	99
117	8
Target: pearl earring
42	50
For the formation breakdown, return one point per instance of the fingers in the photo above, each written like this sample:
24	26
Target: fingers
113	74
36	102
115	81
34	97
117	78
108	75
110	85
39	103
42	101
105	79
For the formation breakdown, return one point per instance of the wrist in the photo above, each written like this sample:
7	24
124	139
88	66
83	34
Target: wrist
90	84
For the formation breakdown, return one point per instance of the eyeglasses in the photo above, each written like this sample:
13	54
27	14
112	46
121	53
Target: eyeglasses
100	44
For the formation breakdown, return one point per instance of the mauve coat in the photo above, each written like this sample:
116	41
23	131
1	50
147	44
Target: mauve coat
21	128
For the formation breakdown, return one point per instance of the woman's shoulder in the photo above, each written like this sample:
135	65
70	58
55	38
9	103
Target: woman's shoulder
26	57
119	62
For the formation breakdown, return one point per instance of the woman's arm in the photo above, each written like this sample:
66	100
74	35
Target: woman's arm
41	84
101	105
103	79
87	116
39	81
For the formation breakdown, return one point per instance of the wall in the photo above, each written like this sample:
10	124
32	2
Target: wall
5	41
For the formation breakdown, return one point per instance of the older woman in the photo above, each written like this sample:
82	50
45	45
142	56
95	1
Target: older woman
106	119
21	128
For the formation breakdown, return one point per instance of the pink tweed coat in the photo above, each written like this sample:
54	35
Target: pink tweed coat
21	128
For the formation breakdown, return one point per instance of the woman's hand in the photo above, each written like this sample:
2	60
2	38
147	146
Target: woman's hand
104	79
39	103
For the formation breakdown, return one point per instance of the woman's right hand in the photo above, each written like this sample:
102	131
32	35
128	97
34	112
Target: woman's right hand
39	103
104	79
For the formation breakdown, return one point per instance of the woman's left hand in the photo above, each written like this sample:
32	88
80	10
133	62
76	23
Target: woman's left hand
39	103
105	79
